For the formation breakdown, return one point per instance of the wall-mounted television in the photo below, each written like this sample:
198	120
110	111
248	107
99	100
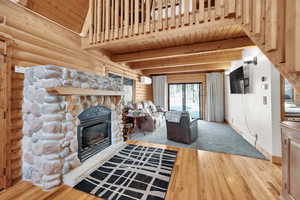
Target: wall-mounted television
239	81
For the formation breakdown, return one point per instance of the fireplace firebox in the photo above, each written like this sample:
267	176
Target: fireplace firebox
94	131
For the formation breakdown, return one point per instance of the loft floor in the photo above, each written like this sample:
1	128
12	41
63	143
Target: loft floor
197	175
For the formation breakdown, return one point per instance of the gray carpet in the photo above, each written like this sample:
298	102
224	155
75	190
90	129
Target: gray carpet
214	137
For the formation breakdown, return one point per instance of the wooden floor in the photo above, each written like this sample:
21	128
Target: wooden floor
197	175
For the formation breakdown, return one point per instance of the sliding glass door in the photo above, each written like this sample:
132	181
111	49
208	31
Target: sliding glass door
185	97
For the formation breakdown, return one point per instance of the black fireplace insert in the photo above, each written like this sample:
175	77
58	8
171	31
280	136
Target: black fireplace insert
94	131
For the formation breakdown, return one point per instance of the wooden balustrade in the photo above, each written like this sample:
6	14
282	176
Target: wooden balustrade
269	23
117	19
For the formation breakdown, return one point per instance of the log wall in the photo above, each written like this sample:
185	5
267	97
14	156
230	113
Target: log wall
143	92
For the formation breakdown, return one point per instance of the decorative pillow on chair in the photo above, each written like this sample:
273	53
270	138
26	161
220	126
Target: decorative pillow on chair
153	107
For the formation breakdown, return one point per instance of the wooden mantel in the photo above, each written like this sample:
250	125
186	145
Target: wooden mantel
68	91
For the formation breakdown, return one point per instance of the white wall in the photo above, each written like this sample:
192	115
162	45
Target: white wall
259	123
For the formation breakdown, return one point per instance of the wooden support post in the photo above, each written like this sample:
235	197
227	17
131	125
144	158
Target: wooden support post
297	96
271	24
5	117
293	34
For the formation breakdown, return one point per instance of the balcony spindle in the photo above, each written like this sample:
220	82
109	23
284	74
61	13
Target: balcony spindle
160	13
131	16
107	19
116	34
122	20
148	14
173	13
201	11
186	12
126	18
91	29
217	9
166	17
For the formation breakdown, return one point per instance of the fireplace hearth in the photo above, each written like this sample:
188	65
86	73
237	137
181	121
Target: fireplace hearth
94	131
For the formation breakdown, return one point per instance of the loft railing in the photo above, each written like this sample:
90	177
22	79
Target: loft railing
116	19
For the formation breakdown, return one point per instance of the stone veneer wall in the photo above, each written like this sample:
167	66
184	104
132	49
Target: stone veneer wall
50	122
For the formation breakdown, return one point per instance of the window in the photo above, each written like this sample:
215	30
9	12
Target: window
128	86
288	96
185	97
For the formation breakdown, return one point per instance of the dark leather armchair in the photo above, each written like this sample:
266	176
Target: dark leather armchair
185	131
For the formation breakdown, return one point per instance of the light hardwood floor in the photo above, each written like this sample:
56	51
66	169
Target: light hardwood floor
197	175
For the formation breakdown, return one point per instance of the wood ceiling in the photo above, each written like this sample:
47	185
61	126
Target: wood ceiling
69	13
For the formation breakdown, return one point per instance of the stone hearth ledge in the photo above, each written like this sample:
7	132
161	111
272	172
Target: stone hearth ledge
49	143
91	164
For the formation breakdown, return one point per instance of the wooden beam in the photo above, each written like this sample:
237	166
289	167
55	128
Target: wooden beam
184	69
207	58
193	49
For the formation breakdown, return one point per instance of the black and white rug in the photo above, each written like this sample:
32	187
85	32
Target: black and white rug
134	173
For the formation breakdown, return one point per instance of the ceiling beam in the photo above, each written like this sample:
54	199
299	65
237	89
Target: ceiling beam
185	50
207	58
185	69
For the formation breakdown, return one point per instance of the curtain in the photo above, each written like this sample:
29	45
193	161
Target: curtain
215	97
160	91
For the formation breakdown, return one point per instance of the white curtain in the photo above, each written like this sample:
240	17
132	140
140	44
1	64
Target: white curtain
160	91
215	97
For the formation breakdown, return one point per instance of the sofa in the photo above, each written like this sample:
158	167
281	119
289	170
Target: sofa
181	127
154	116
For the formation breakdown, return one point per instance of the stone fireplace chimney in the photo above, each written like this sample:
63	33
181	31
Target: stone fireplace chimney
50	144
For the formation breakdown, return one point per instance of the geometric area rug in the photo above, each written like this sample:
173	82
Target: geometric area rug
133	173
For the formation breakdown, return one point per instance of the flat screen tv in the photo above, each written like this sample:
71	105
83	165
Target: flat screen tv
238	82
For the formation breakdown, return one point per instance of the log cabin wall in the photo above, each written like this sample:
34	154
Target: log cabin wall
143	92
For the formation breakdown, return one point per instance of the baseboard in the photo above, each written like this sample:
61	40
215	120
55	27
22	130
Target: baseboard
258	147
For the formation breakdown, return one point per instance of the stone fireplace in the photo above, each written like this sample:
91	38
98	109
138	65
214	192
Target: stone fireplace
61	132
